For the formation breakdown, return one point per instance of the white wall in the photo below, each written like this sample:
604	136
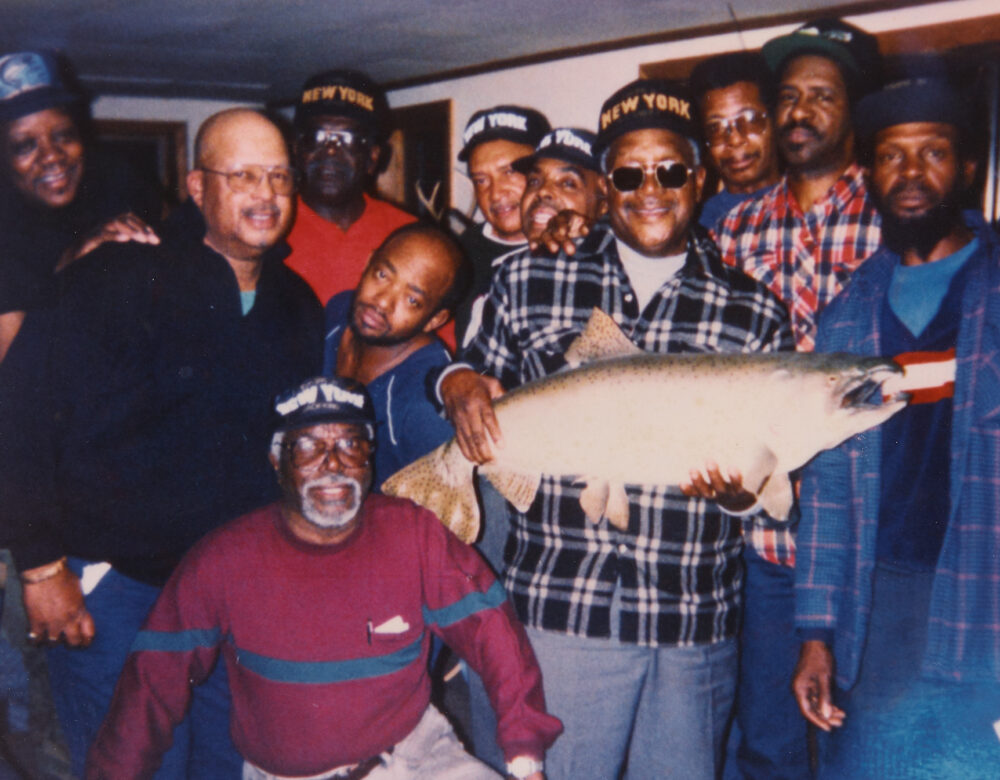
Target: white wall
569	91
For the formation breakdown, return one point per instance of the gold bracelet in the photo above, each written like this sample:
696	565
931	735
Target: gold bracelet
42	573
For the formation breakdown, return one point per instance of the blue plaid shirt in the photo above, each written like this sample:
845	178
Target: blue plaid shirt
676	568
841	488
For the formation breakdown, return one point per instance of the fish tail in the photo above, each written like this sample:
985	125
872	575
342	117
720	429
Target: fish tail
441	481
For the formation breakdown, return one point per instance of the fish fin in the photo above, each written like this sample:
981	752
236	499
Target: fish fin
776	496
617	511
602	338
516	487
441	481
594	500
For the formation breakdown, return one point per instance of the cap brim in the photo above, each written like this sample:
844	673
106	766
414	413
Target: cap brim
35	100
777	51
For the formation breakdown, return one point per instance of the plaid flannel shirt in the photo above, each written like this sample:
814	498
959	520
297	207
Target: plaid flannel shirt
841	490
805	259
676	567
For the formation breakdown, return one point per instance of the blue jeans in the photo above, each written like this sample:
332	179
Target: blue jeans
900	725
661	710
482	719
771	731
83	681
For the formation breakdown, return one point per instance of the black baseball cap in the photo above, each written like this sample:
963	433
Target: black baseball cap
645	104
32	81
855	50
348	93
564	143
323	400
508	123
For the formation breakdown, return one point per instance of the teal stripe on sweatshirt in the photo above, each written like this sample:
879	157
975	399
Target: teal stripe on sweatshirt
176	641
325	672
469	605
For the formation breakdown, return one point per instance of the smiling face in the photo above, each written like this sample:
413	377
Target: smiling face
813	115
44	156
498	186
553	186
241	225
740	135
653	220
323	495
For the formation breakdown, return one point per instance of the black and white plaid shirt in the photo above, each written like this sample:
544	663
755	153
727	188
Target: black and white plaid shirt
677	566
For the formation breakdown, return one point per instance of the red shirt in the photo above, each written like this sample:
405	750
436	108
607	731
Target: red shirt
332	260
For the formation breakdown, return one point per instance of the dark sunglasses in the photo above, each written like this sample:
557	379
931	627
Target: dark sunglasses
671	176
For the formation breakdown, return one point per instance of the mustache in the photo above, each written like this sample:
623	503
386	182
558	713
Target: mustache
329	166
262	209
786	129
908	187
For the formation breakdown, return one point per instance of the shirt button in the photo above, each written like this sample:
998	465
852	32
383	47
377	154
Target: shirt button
629	297
622	549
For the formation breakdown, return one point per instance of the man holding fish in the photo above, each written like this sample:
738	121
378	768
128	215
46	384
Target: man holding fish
632	611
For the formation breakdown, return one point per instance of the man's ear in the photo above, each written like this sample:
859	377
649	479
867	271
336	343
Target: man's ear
602	196
968	172
699	182
196	186
435	322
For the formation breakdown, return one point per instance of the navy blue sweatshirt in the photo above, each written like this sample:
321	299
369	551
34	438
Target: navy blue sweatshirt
134	412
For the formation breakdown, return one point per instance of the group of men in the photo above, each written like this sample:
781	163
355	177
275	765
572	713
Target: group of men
195	516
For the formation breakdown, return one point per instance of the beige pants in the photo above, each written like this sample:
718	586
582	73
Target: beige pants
430	752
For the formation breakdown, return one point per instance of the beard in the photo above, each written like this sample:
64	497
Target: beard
918	232
329	517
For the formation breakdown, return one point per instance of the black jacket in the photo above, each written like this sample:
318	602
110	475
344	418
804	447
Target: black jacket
134	413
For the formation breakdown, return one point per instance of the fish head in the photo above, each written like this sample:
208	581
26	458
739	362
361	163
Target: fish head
829	398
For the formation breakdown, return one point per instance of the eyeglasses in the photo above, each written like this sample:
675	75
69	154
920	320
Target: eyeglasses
341	139
748	122
670	175
308	452
248	178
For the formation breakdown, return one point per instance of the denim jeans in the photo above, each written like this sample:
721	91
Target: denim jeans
770	730
661	710
83	681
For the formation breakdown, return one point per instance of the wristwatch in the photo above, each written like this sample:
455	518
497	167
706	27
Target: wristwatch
523	766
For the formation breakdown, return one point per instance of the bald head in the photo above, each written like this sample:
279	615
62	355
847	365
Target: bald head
241	183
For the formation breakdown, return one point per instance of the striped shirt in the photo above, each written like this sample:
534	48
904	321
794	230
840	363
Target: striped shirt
805	258
676	568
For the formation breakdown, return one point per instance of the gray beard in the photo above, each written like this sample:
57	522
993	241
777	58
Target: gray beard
327	519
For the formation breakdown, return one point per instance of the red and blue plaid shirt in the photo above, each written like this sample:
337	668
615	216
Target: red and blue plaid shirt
805	258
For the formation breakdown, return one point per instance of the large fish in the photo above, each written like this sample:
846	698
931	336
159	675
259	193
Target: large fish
624	416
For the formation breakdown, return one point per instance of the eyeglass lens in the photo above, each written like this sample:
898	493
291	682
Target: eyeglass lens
309	452
745	123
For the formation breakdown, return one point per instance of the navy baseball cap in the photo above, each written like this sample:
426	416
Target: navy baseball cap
508	123
564	143
323	400
913	99
647	104
31	81
348	93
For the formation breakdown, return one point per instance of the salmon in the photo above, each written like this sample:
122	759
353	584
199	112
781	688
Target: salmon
618	415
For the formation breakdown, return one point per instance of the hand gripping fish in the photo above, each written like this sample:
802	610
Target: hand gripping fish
618	415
